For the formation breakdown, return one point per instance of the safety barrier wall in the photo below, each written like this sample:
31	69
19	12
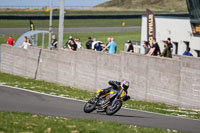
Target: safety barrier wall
19	61
171	81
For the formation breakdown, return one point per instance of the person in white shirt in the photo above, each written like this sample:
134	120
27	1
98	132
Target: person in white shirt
26	43
78	42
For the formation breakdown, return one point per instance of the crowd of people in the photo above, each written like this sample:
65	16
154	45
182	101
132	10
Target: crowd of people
154	50
75	43
111	47
92	44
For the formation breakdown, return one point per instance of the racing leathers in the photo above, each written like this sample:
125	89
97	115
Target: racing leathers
114	85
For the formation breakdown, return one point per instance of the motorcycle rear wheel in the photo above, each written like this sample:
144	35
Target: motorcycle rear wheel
89	107
113	109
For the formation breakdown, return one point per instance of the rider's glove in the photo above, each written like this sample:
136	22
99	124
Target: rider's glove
125	98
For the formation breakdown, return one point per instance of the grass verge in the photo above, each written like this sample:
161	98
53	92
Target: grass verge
28	123
120	38
70	23
56	89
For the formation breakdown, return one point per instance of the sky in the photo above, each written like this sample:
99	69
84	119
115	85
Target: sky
45	3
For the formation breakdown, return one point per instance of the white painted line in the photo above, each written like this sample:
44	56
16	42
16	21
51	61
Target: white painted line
160	114
73	99
42	93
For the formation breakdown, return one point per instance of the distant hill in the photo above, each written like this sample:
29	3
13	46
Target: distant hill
142	5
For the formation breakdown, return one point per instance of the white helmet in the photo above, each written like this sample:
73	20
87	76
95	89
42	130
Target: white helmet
125	84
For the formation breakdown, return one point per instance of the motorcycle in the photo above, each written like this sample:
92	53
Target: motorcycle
110	102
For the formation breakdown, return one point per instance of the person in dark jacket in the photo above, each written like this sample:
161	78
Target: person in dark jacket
170	46
130	47
67	44
89	43
73	45
155	49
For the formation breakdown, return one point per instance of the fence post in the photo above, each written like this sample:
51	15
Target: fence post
0	57
38	63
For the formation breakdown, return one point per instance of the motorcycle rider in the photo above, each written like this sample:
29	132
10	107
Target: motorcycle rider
116	86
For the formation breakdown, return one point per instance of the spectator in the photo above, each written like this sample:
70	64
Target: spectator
167	51
170	46
136	48
67	44
146	47
73	45
54	43
112	47
108	40
130	47
89	43
155	49
10	41
26	43
94	41
78	42
98	46
187	52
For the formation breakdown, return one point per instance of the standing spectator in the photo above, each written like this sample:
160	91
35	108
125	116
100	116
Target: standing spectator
78	42
10	41
94	41
73	45
98	46
54	43
112	47
146	47
187	52
155	49
108	40
130	47
89	43
167	51
136	48
26	43
67	44
170	46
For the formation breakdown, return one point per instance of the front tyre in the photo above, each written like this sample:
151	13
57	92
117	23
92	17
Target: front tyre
89	107
113	109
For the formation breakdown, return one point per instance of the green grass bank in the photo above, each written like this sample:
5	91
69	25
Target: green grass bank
29	123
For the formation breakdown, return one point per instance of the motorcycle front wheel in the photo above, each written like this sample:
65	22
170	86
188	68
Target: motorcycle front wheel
113	109
89	107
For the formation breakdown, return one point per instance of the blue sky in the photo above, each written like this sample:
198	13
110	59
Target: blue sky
43	3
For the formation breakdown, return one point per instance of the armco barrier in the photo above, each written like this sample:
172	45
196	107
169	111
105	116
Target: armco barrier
171	81
122	16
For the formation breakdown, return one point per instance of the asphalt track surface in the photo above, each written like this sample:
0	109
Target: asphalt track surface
72	30
21	100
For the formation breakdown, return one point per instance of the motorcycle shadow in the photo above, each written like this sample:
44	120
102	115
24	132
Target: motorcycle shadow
118	115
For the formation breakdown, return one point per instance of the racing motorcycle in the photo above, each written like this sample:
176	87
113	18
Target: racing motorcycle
110	102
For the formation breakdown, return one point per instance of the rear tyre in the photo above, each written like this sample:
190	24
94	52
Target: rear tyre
89	107
113	109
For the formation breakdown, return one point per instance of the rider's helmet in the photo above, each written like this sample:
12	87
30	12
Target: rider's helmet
125	84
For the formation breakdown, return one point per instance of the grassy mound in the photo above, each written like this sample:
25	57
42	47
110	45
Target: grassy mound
142	5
